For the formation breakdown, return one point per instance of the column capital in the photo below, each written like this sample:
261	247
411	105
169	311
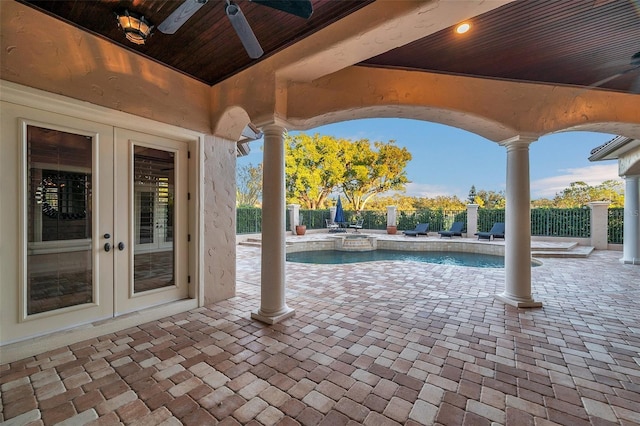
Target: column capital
273	129
518	141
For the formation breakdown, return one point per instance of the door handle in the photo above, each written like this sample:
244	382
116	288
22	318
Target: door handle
107	247
120	246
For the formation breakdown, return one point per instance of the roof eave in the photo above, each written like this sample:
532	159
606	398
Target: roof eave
610	150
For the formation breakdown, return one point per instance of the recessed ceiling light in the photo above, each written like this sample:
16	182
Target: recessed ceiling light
463	28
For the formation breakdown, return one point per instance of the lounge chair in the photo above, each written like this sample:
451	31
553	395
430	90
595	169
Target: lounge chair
497	231
455	230
357	225
421	229
333	227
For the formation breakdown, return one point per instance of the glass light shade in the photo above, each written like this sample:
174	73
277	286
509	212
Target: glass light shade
463	28
136	28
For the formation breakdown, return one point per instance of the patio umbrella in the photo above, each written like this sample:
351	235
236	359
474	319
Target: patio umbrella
339	212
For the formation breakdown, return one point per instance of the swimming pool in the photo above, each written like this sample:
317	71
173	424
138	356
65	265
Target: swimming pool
440	257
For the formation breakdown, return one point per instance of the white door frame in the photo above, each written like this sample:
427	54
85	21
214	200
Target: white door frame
20	337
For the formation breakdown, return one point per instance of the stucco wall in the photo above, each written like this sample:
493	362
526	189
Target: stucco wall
39	51
496	110
219	217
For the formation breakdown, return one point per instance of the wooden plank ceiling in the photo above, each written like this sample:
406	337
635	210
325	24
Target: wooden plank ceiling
567	42
206	46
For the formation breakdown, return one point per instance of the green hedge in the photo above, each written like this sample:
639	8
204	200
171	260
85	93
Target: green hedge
437	219
561	222
544	221
616	222
248	220
487	217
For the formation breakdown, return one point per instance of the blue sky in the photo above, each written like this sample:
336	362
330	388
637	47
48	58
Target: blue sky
447	160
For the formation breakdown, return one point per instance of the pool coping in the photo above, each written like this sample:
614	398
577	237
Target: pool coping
466	246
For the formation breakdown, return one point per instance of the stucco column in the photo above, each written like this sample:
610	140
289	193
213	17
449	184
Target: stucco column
273	307
517	256
219	225
599	224
631	231
472	219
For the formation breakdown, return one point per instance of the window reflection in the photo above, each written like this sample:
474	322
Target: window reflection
154	216
59	211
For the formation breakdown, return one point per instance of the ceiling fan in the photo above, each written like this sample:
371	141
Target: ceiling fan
634	65
301	8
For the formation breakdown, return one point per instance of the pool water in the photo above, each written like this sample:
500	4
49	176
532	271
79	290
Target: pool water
439	257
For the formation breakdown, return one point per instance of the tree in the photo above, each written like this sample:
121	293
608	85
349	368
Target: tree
374	171
444	202
402	202
314	166
579	193
249	185
542	203
491	199
472	194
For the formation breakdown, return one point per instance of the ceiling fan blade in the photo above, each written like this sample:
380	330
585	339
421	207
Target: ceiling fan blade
181	15
606	80
244	31
301	8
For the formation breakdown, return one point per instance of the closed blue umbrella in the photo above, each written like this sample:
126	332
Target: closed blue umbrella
339	212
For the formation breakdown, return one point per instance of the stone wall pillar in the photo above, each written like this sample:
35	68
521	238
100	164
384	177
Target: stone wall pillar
517	257
391	215
631	236
294	216
273	307
599	224
472	219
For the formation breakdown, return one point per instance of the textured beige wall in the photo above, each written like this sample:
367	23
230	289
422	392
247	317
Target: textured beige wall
39	51
495	109
219	217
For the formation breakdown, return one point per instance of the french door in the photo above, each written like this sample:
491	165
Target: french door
153	259
68	213
105	222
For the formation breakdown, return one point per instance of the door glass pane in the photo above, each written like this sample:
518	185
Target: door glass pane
145	219
153	212
59	254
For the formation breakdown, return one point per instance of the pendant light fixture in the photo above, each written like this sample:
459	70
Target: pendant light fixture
135	26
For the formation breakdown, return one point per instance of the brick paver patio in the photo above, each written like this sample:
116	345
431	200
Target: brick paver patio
382	343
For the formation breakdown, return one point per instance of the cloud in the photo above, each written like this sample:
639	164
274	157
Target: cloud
592	175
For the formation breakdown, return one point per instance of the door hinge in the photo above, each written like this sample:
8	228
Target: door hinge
188	154
188	279
188	237
188	196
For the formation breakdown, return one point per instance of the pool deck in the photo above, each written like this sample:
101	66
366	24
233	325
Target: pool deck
382	343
